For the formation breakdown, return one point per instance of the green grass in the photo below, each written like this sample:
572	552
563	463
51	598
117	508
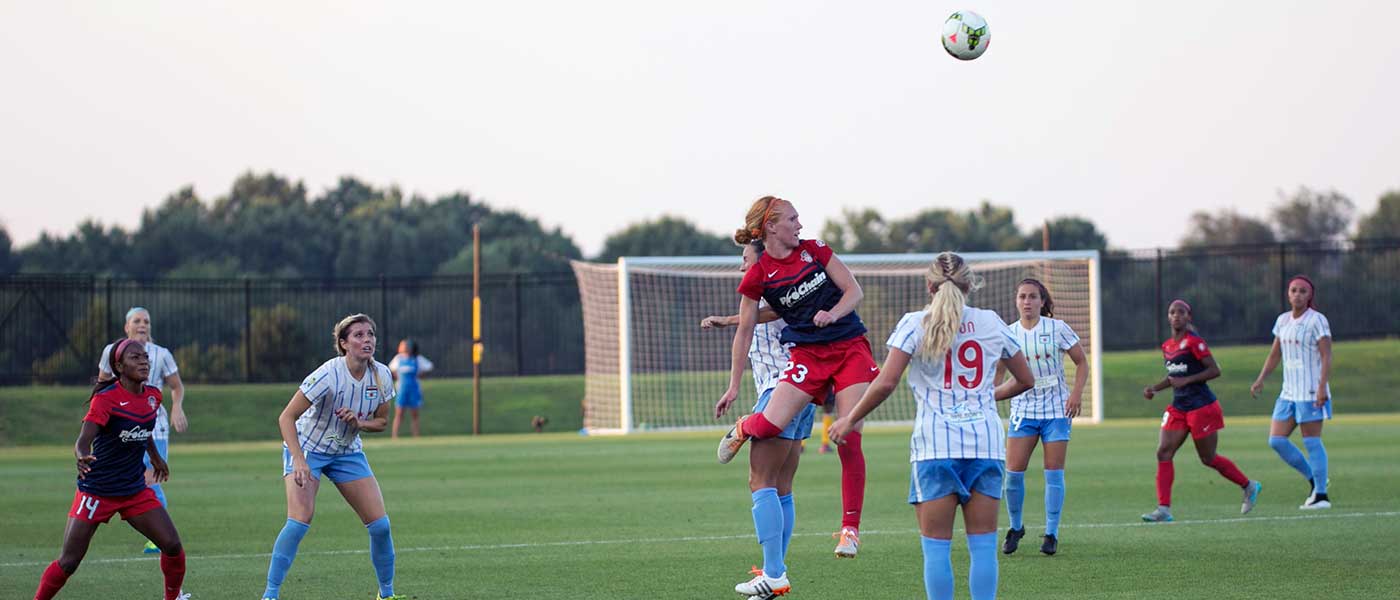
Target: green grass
564	516
1363	381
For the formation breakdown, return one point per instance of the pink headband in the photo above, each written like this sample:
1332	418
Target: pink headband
121	347
1312	289
1181	302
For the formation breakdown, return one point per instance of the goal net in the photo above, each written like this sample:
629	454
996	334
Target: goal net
649	366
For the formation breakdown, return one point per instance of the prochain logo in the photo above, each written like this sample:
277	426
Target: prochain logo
135	434
800	291
1174	368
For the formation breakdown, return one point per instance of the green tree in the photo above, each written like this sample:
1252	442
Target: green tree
1224	229
9	263
92	248
1068	233
667	236
858	231
1385	221
1308	215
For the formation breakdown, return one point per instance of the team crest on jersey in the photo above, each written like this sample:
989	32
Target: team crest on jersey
819	243
372	394
1044	338
309	381
806	257
151	400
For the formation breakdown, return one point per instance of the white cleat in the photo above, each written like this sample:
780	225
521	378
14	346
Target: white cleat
1316	502
732	441
1251	496
763	586
847	542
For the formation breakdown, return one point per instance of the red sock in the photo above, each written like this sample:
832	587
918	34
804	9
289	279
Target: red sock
1166	472
1229	470
758	427
53	579
174	569
852	480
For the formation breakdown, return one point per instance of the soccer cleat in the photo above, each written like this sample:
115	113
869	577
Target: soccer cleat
1013	540
1160	515
150	548
1316	502
824	449
847	542
1251	495
183	595
732	441
1050	546
391	597
763	586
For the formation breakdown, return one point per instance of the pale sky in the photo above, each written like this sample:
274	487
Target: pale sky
594	115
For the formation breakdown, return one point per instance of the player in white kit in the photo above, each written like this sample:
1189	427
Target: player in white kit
958	448
1043	413
321	428
165	375
773	461
1303	343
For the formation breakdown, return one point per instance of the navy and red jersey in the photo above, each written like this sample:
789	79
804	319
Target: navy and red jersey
125	422
798	287
1186	357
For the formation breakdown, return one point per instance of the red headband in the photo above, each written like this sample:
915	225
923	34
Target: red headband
758	233
1312	289
1181	302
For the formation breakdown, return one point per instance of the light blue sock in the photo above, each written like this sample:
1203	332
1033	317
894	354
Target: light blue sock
1317	459
768	524
1291	455
789	519
938	568
381	553
284	551
1054	500
1015	496
982	574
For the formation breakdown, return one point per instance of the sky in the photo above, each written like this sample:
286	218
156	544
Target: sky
592	116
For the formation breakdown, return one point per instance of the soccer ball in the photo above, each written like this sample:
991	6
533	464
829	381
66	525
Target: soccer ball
966	35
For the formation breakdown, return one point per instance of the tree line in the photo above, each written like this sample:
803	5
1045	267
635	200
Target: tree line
269	226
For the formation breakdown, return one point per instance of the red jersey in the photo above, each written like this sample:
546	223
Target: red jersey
798	287
126	422
1183	358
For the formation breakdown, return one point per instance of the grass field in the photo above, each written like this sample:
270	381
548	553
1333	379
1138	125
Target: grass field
1363	382
564	516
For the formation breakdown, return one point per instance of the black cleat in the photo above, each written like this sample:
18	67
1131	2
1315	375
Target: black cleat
1050	545
1013	540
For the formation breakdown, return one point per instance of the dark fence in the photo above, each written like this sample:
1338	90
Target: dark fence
53	327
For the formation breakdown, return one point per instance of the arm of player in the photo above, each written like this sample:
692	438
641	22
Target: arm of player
851	294
82	449
765	315
160	471
1211	372
1324	353
879	391
738	353
1151	390
374	424
177	402
1021	377
1081	376
287	424
1270	363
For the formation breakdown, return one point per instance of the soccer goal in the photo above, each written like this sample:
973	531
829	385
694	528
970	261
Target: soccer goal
649	366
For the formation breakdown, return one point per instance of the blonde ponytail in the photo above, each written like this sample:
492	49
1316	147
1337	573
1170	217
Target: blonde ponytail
950	279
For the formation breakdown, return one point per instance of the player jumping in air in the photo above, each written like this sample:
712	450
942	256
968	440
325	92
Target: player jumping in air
1193	410
958	450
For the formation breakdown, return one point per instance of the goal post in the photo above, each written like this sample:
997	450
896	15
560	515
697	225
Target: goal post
649	366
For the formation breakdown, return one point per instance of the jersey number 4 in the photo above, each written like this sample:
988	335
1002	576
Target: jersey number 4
970	357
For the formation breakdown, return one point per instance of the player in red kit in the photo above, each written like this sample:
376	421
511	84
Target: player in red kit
816	296
117	432
1193	410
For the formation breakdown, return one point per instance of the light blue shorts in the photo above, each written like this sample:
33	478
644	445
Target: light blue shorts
934	479
800	427
1049	430
340	468
409	397
1301	412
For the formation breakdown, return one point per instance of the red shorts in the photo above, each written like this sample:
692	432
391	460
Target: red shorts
99	509
1200	422
816	367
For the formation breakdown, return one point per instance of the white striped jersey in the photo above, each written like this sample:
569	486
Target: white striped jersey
1302	363
767	356
162	366
330	387
956	413
1044	346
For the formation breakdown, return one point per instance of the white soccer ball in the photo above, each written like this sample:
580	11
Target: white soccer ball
966	35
